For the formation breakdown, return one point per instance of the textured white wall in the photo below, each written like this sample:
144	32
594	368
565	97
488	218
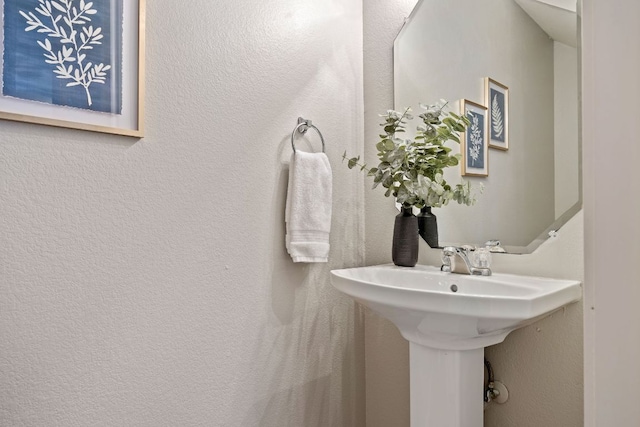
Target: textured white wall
540	364
145	283
611	153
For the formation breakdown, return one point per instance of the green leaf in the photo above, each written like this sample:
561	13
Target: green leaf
460	127
449	121
411	169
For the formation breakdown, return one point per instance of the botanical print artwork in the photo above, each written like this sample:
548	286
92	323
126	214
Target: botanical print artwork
496	100
475	140
474	144
497	116
64	52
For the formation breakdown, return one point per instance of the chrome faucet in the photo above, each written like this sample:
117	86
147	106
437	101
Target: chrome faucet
456	260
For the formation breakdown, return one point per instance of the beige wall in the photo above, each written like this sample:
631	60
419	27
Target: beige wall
542	357
612	230
145	283
566	112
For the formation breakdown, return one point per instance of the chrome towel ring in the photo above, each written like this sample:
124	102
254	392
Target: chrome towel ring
302	127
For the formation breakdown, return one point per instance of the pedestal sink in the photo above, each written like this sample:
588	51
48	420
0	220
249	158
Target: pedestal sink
448	319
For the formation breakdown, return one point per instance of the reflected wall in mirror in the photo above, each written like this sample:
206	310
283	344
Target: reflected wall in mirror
446	50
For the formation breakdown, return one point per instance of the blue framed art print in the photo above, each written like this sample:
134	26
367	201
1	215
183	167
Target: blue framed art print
497	102
475	160
74	63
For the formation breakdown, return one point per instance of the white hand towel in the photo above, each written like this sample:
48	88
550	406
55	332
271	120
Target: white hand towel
308	210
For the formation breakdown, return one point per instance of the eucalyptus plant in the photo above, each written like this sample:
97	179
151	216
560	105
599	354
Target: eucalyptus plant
412	170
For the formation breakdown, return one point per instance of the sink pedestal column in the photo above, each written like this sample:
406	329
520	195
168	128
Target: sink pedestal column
446	387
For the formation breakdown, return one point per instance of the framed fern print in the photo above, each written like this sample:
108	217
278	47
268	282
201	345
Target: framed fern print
473	144
497	101
74	63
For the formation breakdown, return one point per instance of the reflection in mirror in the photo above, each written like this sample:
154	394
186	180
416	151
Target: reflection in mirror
445	51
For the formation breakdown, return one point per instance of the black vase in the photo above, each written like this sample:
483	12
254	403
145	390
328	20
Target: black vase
405	239
428	226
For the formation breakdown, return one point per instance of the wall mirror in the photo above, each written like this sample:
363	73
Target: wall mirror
446	50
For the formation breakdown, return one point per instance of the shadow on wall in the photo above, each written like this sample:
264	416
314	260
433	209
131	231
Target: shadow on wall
286	276
309	360
309	402
310	373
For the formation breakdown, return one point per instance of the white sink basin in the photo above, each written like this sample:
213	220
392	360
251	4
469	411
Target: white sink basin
449	319
453	311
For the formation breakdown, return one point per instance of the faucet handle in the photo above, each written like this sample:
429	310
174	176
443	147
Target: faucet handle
482	258
448	252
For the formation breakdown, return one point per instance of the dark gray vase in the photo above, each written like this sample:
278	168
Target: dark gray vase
405	239
428	226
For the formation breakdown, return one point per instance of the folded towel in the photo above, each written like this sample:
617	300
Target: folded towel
308	210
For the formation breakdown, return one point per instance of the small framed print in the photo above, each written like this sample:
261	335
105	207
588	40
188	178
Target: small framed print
74	63
475	161
497	101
